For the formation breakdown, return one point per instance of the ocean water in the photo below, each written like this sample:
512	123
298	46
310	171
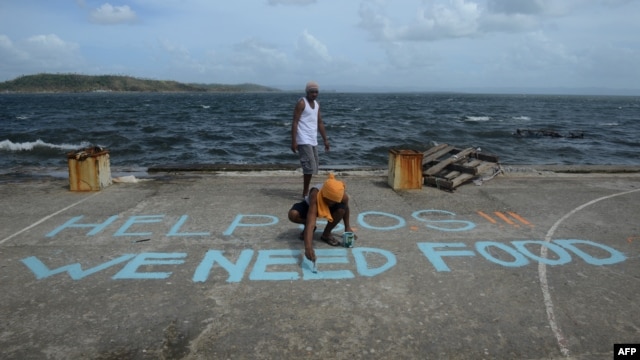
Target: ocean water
142	130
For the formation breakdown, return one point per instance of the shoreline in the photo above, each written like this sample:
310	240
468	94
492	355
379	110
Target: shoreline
574	169
268	170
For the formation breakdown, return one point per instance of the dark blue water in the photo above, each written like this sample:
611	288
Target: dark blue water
143	130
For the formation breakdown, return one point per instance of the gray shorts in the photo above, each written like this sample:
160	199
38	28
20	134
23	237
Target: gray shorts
308	159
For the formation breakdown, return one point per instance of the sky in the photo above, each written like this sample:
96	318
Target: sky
433	45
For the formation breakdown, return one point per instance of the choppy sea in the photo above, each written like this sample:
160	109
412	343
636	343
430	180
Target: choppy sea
143	130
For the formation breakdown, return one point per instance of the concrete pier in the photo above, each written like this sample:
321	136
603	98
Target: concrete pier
533	264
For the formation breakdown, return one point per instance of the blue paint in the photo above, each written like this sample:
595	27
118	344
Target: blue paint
616	256
268	258
400	221
518	258
323	257
520	253
361	261
563	256
462	224
176	228
256	220
74	270
72	224
237	222
140	219
307	269
277	265
130	271
435	256
236	271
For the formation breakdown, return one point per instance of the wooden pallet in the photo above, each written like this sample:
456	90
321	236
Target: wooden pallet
447	167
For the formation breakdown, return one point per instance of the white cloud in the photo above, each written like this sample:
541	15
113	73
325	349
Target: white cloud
534	59
108	14
258	56
408	56
12	57
6	46
176	60
509	23
438	20
379	26
539	51
553	8
435	20
50	43
177	53
442	43
312	50
595	65
39	53
250	60
52	52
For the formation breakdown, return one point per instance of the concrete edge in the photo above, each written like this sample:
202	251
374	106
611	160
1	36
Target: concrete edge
257	170
579	169
253	168
265	169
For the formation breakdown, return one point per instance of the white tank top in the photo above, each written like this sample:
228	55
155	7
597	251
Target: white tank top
308	124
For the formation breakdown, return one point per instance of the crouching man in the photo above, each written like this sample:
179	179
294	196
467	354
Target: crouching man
329	201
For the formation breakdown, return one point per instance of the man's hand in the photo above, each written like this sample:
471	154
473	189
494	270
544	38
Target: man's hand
349	229
309	253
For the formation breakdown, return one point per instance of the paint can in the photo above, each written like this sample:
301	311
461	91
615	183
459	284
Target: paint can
348	239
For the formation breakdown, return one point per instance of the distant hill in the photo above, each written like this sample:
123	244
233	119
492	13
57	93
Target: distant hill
60	83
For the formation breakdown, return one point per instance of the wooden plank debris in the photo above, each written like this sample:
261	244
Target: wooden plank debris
447	167
434	169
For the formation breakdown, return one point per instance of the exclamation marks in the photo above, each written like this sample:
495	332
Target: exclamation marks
511	218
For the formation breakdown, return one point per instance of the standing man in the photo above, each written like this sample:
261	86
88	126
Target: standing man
307	122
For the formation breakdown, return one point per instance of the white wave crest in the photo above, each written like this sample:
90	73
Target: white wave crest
521	118
8	145
478	118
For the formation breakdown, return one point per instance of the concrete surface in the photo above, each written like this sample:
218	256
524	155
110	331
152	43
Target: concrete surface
194	265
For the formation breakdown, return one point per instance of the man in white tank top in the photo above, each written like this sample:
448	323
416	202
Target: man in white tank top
307	122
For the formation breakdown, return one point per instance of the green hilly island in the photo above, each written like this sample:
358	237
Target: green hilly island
74	83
